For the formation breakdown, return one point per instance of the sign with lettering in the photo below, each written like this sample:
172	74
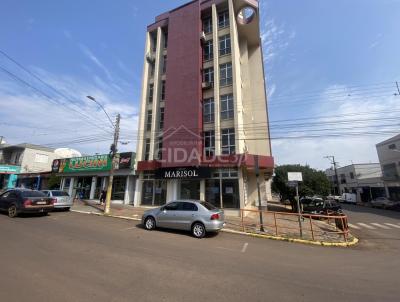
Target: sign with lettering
6	169
183	173
125	160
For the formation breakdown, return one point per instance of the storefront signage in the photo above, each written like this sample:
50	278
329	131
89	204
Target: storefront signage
125	160
184	172
9	169
82	164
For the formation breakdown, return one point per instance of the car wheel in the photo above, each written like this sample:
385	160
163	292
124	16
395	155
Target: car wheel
198	230
12	211
66	209
150	223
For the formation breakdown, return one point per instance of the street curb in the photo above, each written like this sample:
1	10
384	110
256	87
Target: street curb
353	242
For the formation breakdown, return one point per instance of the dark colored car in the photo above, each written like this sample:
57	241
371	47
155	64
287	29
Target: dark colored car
18	201
319	206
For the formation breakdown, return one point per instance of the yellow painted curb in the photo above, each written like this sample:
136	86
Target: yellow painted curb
353	242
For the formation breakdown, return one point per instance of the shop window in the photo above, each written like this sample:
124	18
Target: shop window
147	192
230	193
118	190
160	192
212	192
190	189
208	110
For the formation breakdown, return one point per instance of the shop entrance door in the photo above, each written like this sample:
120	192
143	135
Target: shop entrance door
189	189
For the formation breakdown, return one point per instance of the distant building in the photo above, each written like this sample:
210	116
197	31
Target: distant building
365	180
24	158
389	158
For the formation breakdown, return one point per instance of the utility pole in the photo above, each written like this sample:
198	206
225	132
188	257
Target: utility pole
333	162
113	152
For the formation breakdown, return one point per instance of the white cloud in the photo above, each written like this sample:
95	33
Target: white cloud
95	60
370	120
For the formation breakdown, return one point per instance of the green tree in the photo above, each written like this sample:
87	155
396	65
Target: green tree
314	182
54	182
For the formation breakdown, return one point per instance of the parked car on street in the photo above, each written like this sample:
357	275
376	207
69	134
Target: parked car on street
17	201
196	216
62	200
383	202
316	205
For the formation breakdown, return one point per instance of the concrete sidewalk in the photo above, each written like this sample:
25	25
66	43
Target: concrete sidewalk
288	226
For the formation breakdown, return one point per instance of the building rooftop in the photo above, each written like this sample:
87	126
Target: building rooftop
30	146
390	140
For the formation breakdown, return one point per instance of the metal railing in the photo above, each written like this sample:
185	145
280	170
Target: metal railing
307	226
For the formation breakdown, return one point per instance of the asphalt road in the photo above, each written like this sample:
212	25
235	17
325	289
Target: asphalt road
377	228
78	257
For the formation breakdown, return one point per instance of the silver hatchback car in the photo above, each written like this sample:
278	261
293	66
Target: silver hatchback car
196	216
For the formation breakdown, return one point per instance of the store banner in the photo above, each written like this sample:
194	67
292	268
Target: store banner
82	164
126	160
6	169
183	173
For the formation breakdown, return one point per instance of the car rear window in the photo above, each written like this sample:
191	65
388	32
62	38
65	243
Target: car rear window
208	205
32	194
59	193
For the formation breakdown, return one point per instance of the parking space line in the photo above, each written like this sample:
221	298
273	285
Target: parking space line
244	247
366	226
380	226
354	226
393	225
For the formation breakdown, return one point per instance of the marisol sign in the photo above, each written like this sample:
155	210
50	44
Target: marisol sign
186	172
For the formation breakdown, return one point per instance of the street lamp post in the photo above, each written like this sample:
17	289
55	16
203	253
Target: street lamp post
113	152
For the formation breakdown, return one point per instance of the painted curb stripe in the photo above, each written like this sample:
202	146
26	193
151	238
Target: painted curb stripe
380	226
353	241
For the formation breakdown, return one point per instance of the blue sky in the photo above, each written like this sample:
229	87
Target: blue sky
322	58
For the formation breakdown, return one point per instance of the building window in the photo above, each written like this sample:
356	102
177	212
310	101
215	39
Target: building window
207	25
165	39
224	45
222	190
164	68
351	175
149	119
209	143
162	90
389	172
208	50
223	19
228	141
392	147
208	110
152	68
147	150
159	148
225	74
227	110
209	75
151	90
161	125
154	41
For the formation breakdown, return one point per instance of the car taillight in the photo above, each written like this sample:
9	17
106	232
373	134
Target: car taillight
214	217
53	201
27	202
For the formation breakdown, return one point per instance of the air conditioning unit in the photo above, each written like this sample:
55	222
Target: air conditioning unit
202	36
206	85
150	58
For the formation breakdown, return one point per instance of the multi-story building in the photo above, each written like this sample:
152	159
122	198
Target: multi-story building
389	158
24	158
361	179
203	121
